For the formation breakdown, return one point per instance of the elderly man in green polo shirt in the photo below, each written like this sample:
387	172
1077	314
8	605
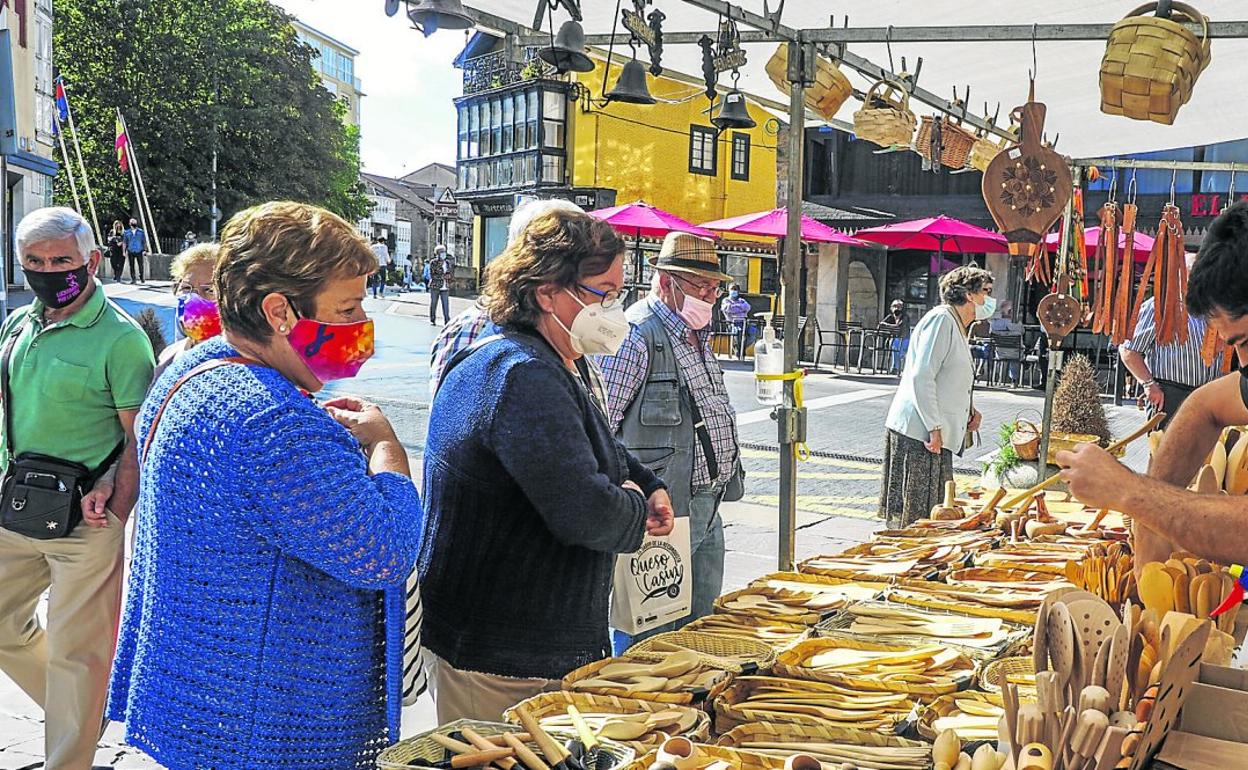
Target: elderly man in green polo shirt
77	369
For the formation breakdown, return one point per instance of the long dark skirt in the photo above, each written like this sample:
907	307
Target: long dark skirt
914	480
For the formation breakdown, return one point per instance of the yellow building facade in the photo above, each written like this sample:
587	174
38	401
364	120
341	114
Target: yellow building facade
522	137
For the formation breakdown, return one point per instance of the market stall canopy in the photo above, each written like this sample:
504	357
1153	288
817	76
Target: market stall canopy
1142	244
996	71
942	234
774	224
642	219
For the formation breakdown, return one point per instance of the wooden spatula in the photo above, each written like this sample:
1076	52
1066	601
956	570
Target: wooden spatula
1094	622
1060	642
1156	588
1116	667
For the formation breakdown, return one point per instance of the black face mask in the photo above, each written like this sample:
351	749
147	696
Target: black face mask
56	290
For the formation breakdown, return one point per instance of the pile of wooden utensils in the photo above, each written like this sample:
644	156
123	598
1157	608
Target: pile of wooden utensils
534	749
776	700
947	754
931	670
795	597
680	671
1106	571
1176	595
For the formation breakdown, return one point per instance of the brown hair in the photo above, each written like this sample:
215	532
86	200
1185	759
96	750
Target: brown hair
558	247
204	253
957	286
285	248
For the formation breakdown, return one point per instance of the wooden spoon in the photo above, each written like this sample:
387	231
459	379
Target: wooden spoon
1116	668
1156	588
1182	593
1060	642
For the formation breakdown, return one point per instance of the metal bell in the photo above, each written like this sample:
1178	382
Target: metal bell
567	53
429	16
631	86
732	112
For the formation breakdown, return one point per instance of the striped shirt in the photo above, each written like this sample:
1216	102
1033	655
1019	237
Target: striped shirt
627	370
1178	363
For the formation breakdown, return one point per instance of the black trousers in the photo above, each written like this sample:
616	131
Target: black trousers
118	263
136	265
1173	394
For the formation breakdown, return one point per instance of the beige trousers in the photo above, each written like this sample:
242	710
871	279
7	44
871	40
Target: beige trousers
462	694
64	668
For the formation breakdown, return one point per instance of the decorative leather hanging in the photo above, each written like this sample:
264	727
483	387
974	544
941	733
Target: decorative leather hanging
1026	188
1059	312
1167	267
1106	257
1120	307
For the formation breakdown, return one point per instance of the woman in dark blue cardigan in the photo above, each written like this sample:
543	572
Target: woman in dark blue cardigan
528	495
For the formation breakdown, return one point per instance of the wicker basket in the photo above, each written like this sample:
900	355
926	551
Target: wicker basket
885	117
1026	440
999	672
421	751
738	760
726	653
1061	442
800	735
839	625
1151	64
680	698
733	707
550	704
955	141
806	618
790	664
946	705
831	88
1023	616
748	626
984	150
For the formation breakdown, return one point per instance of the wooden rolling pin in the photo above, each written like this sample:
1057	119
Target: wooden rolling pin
524	754
1114	447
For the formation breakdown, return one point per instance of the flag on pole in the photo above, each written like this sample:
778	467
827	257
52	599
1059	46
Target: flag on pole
62	102
120	144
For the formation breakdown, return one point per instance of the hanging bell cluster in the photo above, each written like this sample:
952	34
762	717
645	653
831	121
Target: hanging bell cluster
733	112
429	16
567	52
631	86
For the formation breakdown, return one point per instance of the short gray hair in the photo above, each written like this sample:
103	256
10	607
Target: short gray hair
530	210
959	284
53	223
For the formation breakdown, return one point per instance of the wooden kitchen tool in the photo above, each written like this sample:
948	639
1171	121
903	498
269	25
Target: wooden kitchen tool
945	750
1176	682
1060	642
1116	668
1110	751
948	509
524	753
1009	696
1098	666
1094	697
1094	622
1027	187
1156	588
1086	737
1052	701
1035	756
480	743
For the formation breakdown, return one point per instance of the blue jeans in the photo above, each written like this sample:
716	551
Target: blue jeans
434	295
900	346
706	545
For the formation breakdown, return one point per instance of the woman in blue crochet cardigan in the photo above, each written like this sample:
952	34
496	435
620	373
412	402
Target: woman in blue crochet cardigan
529	495
264	620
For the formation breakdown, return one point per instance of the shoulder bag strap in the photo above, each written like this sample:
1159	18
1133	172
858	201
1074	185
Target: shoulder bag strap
4	387
206	366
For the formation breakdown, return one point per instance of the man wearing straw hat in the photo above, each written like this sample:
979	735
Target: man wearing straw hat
667	400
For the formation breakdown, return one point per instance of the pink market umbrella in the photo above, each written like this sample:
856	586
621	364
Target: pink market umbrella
642	219
775	224
1142	244
932	233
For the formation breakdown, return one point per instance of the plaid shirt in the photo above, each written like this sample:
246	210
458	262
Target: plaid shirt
627	370
473	324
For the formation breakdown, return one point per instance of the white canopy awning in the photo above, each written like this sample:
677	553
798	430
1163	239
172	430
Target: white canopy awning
1067	80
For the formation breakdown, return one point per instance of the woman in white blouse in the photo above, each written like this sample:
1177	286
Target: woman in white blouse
932	416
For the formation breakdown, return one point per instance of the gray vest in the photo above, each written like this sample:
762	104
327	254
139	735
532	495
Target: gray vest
657	426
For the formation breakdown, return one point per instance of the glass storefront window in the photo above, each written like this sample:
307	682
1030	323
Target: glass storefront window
552	134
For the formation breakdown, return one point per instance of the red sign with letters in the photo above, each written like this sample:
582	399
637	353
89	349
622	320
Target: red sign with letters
1210	204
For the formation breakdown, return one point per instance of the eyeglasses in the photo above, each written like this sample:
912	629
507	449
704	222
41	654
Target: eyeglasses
607	299
700	289
207	290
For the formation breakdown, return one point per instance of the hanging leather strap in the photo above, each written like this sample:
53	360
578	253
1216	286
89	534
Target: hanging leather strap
1119	328
206	366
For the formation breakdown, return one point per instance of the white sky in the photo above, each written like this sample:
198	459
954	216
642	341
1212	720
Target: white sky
406	116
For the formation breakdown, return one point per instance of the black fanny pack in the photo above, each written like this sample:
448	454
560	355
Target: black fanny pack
41	496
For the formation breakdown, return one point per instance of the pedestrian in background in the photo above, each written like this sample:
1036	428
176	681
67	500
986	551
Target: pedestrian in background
932	415
735	309
1168	373
897	324
136	247
669	404
117	250
76	368
529	497
382	253
189	240
264	619
197	316
441	276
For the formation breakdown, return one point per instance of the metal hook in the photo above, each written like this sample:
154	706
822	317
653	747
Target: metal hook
1113	184
1174	175
1132	190
1035	66
888	43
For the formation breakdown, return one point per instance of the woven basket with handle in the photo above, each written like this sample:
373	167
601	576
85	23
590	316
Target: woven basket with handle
955	141
1151	64
985	149
831	88
885	117
1026	439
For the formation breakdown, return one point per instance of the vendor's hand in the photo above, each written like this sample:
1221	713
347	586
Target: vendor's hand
933	443
660	517
1094	477
364	419
95	504
1155	397
976	419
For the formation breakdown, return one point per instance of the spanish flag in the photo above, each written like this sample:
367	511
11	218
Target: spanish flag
120	144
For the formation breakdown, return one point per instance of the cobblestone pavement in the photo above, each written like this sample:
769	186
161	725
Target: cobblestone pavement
838	488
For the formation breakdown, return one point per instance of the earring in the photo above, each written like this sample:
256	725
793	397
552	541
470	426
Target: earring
282	328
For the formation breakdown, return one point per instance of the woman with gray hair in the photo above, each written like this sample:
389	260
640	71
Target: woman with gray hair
932	416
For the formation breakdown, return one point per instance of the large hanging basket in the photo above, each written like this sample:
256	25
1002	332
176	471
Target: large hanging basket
986	148
955	141
830	91
1151	64
1026	440
885	117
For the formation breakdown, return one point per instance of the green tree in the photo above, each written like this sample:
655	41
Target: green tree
186	76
